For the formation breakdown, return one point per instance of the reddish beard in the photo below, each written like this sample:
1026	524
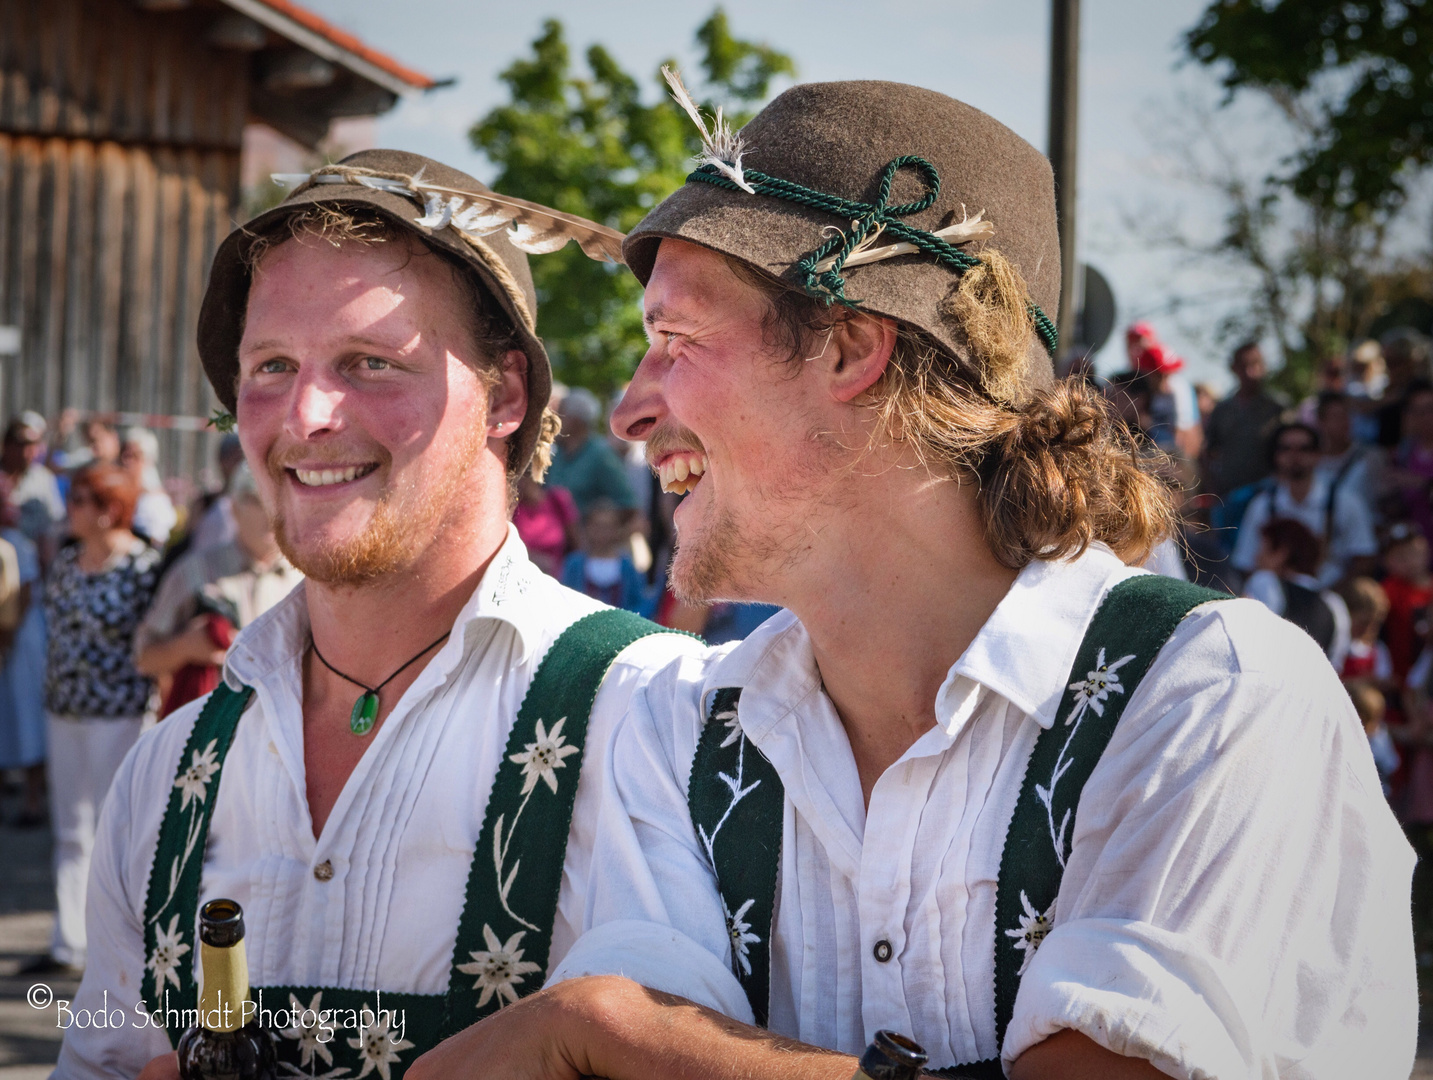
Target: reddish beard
404	520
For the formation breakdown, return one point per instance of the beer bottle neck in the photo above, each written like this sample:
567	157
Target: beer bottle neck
225	986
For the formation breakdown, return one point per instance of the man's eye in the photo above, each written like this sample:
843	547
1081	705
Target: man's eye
272	367
375	363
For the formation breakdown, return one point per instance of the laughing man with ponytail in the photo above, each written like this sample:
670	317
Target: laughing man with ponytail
983	782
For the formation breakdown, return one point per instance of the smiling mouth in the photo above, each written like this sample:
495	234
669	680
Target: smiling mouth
681	472
325	477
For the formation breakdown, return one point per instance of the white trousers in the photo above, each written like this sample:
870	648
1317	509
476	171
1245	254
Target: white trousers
84	754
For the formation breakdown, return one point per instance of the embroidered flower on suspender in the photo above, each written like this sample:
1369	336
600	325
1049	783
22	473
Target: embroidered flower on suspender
307	1034
377	1049
169	947
542	759
733	727
1034	925
739	930
194	781
500	969
1097	686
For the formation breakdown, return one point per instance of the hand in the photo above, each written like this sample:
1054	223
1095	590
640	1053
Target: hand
199	647
164	1067
524	1041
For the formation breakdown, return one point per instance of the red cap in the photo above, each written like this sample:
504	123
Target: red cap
1157	358
1141	330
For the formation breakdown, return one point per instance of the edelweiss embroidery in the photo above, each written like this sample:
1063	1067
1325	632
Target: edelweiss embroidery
1034	925
741	936
164	960
310	1046
377	1049
500	969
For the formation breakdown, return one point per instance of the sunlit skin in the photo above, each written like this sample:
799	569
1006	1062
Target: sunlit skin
358	356
886	566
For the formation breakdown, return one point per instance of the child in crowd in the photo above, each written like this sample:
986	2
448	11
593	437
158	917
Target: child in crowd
603	568
1289	557
1368	660
1409	589
1370	704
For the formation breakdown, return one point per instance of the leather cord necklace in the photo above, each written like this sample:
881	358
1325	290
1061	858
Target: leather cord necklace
365	709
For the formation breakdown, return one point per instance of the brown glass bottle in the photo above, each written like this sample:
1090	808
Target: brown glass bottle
891	1056
221	1046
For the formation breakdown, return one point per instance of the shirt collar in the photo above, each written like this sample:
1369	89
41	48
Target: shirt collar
1024	652
1026	648
281	634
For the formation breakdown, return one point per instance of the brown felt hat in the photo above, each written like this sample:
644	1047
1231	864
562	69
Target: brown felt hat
838	138
501	267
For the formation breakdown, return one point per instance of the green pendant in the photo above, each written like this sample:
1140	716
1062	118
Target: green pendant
365	712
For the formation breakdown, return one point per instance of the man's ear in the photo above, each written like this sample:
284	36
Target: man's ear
855	354
507	400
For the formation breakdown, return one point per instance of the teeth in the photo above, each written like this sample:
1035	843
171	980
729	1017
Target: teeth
324	477
680	474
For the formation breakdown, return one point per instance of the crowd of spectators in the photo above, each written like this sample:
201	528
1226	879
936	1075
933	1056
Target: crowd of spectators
1322	509
116	606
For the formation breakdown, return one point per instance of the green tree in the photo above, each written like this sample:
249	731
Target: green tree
1361	71
1353	82
585	142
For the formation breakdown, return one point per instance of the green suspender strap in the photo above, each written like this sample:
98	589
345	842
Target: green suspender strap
737	801
506	927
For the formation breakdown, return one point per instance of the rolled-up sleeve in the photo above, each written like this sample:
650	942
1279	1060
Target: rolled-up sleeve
1236	900
653	911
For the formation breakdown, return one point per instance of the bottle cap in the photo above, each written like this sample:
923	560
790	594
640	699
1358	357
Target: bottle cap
221	923
892	1056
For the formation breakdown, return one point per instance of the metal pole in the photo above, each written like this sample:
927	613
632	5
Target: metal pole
1064	130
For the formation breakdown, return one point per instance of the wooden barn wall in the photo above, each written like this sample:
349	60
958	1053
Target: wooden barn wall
119	170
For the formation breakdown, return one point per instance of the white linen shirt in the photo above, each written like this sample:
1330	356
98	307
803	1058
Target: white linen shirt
399	840
1235	904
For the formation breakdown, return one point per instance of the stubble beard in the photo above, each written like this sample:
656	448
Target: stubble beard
393	538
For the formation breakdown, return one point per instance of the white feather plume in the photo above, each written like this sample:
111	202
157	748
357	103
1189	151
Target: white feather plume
721	147
962	232
531	227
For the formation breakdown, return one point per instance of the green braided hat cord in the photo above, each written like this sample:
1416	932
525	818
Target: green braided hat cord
866	218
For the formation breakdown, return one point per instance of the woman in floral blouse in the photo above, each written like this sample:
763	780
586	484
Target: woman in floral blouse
98	591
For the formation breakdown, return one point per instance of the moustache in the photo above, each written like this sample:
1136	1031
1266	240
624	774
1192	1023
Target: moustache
663	441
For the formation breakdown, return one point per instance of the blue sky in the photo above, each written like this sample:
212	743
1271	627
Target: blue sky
990	53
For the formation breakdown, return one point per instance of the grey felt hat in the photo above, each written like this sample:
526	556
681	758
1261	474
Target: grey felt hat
499	264
844	141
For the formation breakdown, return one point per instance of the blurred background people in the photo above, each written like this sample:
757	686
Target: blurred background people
22	669
1236	441
582	462
546	519
603	568
154	516
33	490
212	517
209	594
1339	521
1284	580
95	700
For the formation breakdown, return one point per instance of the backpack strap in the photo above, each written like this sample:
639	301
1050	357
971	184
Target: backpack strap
505	932
1130	627
737	803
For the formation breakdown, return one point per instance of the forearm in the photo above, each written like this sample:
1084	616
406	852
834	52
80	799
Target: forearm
612	1027
162	657
640	1033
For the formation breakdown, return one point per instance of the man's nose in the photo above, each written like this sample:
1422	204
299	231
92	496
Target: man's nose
315	405
642	405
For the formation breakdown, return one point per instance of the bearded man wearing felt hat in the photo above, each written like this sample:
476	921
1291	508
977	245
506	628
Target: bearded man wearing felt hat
983	782
397	778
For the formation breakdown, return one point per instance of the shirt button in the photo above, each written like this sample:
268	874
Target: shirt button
324	871
882	951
